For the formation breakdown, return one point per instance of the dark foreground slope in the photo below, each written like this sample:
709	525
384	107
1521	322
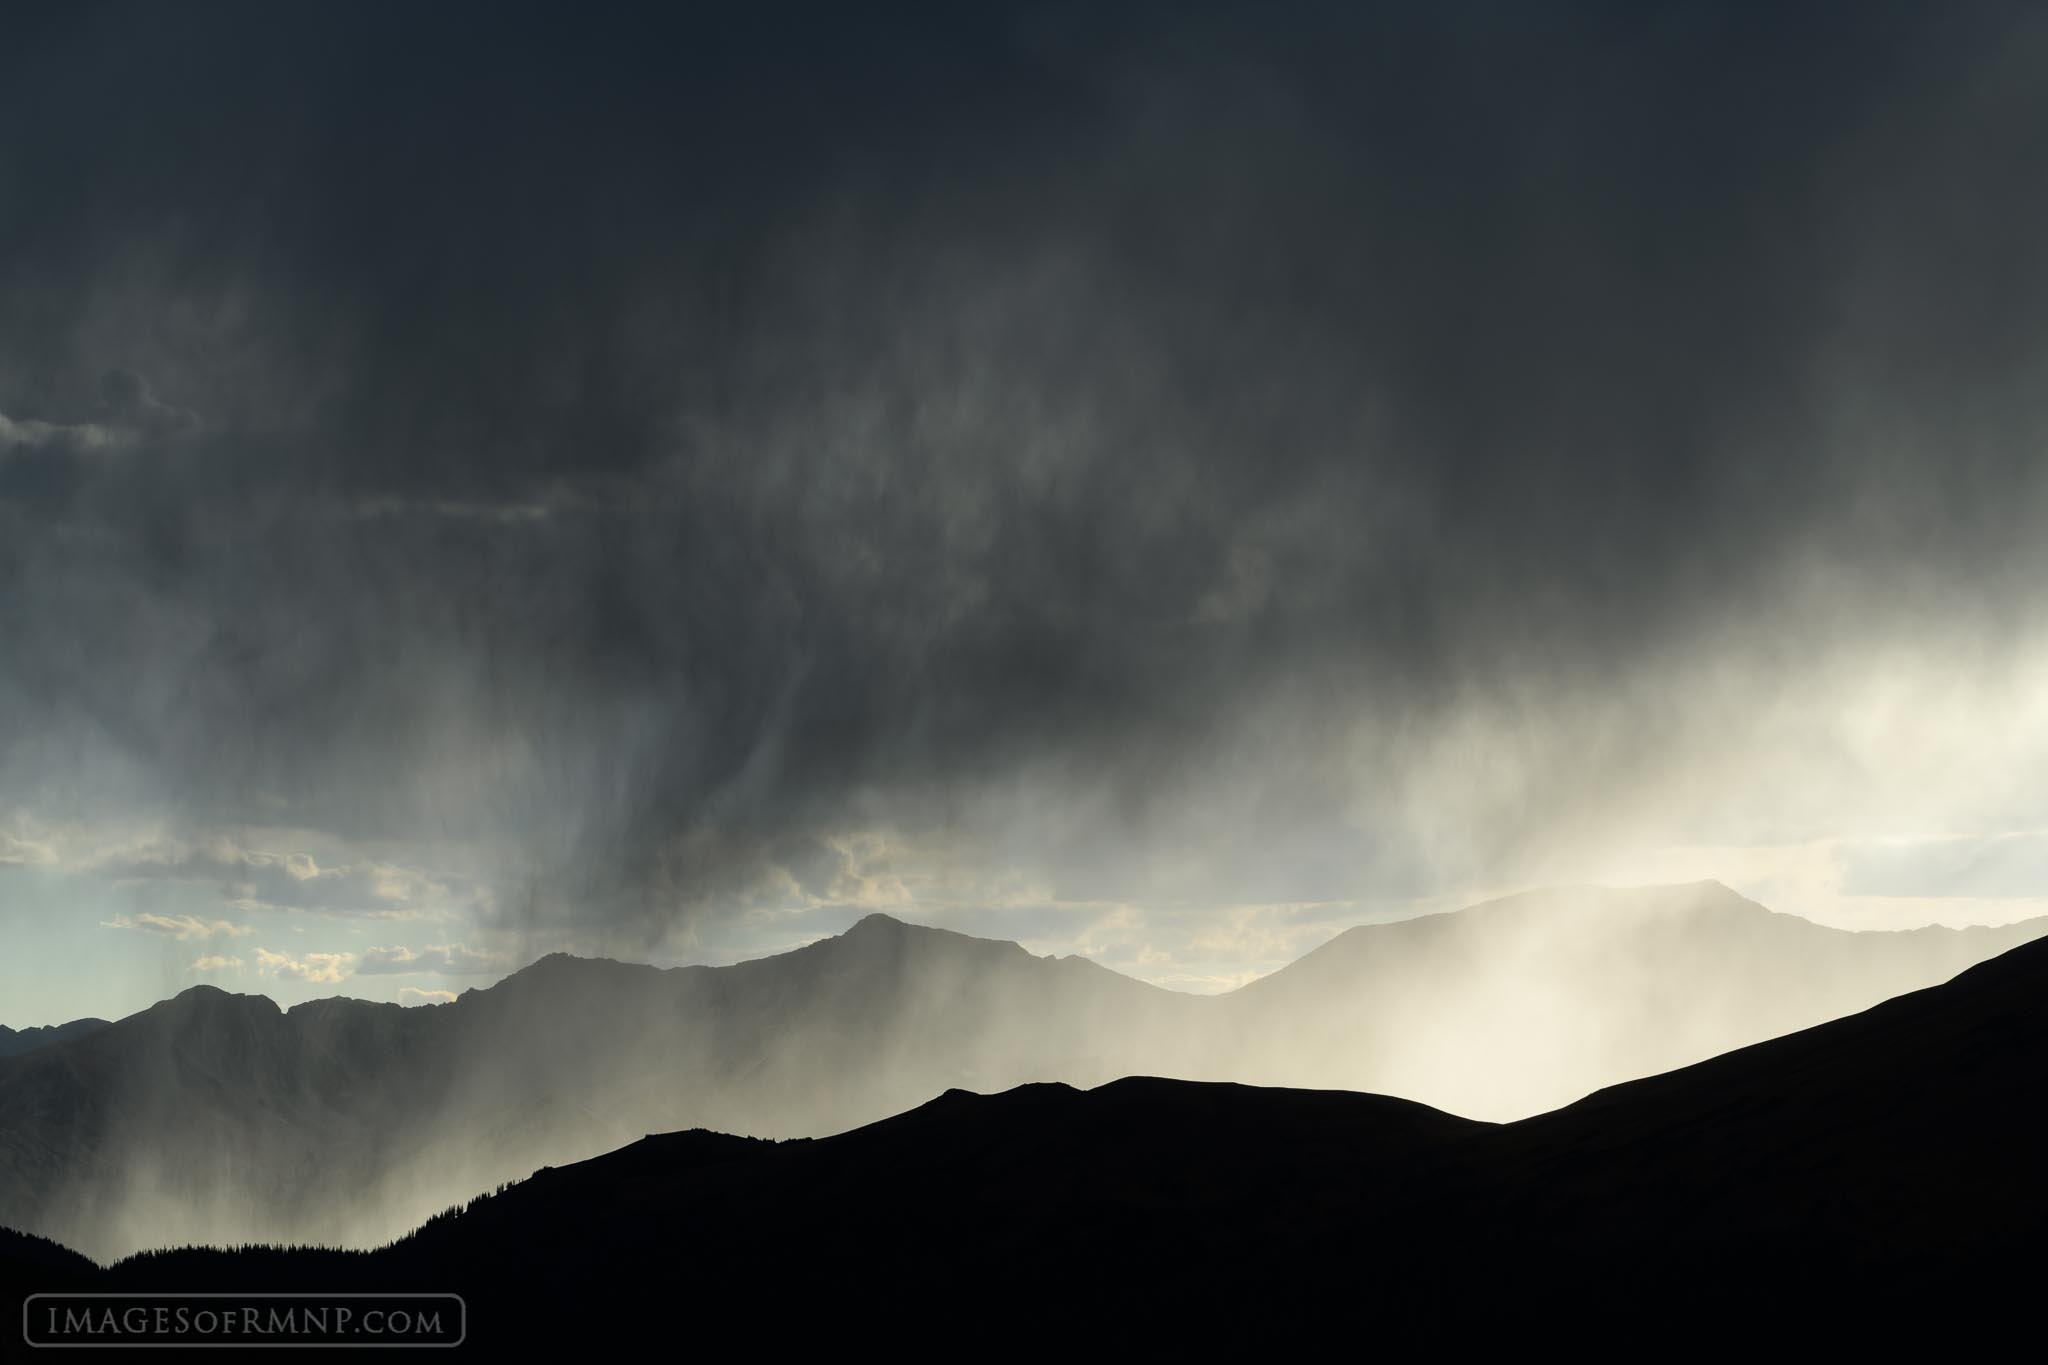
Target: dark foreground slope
1876	1178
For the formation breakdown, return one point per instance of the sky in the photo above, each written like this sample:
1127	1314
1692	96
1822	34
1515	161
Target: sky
1162	482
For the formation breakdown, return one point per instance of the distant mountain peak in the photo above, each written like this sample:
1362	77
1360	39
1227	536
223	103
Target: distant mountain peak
881	931
1589	897
213	997
330	1005
558	963
211	1003
557	959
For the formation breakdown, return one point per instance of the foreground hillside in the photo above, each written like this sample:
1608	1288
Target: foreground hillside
218	1117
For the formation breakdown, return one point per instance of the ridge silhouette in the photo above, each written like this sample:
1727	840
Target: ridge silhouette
218	1117
1875	1178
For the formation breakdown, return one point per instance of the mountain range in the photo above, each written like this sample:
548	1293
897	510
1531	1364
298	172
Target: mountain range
1875	1180
215	1117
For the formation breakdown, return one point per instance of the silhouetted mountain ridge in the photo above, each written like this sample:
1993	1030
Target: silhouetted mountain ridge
216	1116
1873	1181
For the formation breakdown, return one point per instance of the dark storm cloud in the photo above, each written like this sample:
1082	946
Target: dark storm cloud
126	402
660	441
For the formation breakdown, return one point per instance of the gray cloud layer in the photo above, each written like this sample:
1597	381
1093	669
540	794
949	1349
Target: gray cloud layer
1132	447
